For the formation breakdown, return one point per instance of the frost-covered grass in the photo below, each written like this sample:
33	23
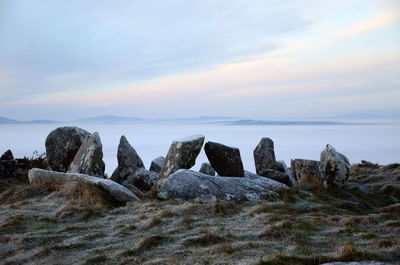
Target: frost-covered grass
306	225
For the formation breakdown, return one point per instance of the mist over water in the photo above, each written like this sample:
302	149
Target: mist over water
376	143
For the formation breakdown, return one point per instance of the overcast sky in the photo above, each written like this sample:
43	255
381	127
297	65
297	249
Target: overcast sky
177	58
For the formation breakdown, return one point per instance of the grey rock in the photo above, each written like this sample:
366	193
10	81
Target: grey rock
62	144
8	155
335	168
188	184
206	168
157	164
89	158
142	179
277	176
303	169
287	171
128	161
46	177
264	155
224	159
162	195
182	154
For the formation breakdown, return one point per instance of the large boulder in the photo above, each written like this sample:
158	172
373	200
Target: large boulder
157	164
142	179
46	177
187	185
264	155
182	154
304	169
224	159
8	155
128	161
62	144
89	158
277	176
335	167
206	168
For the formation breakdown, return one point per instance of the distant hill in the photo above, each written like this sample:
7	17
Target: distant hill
111	119
10	121
261	122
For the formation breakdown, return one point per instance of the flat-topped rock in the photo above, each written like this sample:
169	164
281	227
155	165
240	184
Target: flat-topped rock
264	155
89	158
46	177
335	167
224	159
187	185
62	144
128	161
182	154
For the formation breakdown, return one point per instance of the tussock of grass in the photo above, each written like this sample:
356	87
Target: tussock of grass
150	242
204	240
155	220
96	260
88	192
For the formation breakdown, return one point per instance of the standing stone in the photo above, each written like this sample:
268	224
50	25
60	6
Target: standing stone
89	158
335	166
264	155
206	168
142	179
224	159
157	164
8	155
128	161
182	154
62	144
303	169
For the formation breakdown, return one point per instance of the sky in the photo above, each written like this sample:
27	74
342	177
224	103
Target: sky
275	59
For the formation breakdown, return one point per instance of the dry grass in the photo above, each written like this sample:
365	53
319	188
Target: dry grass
77	224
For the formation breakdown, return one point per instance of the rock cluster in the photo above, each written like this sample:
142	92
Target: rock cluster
80	153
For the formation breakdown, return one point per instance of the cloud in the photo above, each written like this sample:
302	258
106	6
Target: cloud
379	21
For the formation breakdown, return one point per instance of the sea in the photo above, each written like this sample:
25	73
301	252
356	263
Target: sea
374	142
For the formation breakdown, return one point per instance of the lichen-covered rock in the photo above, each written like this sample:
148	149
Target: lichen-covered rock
62	144
264	155
303	169
8	155
46	177
224	159
157	164
187	185
89	158
335	167
182	154
128	161
142	179
206	168
277	176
